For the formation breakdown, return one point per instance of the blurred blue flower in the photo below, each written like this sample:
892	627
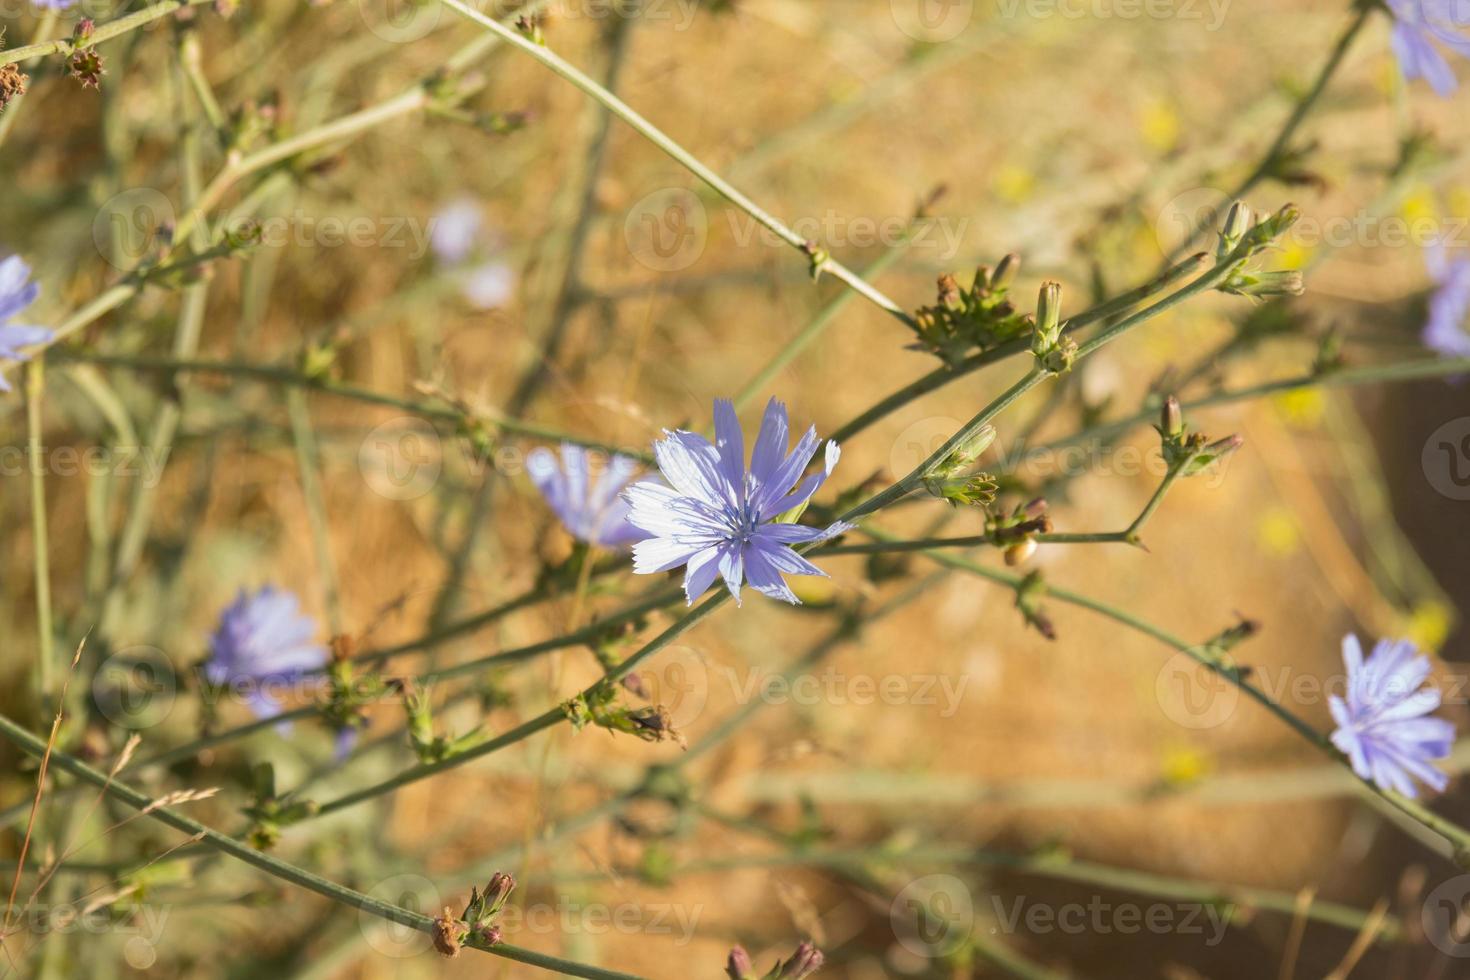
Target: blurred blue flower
455	235
1380	723
488	286
263	640
16	293
590	509
1449	307
1417	24
454	229
718	517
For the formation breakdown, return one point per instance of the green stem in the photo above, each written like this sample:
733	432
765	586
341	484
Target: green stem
942	376
1456	836
156	10
41	541
285	375
304	439
276	867
658	138
825	317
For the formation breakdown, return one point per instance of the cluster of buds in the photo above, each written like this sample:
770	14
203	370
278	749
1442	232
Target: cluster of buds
1190	452
476	924
803	963
269	813
600	707
348	694
1016	532
428	746
1053	350
532	27
950	479
1244	236
978	318
85	63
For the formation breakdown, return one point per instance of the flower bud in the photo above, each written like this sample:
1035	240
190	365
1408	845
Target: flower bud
803	963
1171	422
1238	222
739	966
1005	271
497	891
1049	313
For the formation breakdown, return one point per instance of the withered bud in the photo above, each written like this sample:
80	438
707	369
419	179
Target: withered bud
1020	551
447	939
12	84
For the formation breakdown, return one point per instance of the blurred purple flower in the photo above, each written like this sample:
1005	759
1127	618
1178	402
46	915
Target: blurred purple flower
16	293
1449	307
263	640
453	231
590	509
717	517
344	742
488	286
1380	723
1417	24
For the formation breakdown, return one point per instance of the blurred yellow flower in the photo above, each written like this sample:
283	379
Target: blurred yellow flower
1278	533
1160	126
1419	204
1294	255
1184	765
1429	624
1013	184
1302	408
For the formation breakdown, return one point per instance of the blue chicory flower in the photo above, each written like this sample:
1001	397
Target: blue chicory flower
16	293
589	508
718	517
1380	722
263	640
1417	24
1449	306
54	4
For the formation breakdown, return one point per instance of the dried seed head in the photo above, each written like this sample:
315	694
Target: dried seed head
12	84
447	934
